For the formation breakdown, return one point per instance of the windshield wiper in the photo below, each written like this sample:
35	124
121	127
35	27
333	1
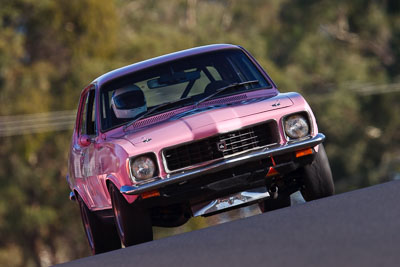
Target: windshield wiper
220	90
154	109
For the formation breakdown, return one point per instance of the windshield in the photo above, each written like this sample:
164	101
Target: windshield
192	79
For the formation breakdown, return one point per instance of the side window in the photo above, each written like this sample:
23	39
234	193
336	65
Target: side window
199	84
91	121
83	123
207	75
88	119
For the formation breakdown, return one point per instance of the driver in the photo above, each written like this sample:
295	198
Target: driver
128	102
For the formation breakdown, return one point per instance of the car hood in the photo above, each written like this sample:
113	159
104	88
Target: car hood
246	108
200	123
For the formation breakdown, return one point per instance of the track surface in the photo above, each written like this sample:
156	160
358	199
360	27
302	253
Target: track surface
359	228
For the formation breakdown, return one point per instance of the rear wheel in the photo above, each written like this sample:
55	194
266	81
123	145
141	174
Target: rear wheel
317	177
133	221
102	237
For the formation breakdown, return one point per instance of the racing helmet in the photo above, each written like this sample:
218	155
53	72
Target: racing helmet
128	102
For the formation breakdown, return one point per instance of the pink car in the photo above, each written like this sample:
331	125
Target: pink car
192	133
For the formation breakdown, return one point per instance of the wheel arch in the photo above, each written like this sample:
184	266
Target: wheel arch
112	179
80	194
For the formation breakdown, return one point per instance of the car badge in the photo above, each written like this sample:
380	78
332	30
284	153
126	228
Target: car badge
221	146
146	140
277	103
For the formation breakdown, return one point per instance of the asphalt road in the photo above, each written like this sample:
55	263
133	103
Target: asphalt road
359	228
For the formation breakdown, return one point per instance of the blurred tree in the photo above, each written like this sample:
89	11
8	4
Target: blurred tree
48	51
330	49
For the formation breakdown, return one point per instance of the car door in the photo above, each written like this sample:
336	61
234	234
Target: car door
84	152
80	149
91	170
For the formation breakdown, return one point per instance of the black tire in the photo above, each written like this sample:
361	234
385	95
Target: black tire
133	222
317	177
102	237
270	204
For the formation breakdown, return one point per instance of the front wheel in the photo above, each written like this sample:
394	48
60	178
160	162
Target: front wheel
133	221
102	237
317	177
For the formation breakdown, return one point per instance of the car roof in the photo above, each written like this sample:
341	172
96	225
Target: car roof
159	60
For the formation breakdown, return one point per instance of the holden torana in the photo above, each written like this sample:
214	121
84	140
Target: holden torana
192	133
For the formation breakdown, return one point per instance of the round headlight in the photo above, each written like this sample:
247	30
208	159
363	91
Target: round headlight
296	126
143	168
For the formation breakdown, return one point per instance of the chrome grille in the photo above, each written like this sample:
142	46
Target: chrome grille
222	145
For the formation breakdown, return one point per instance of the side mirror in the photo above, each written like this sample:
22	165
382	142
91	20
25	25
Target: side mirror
85	140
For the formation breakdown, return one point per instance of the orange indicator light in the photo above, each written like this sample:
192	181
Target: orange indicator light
304	152
150	194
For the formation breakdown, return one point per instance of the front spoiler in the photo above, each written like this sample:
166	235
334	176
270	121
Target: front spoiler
225	203
222	165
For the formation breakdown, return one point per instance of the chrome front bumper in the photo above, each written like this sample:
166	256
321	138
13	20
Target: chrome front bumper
223	164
